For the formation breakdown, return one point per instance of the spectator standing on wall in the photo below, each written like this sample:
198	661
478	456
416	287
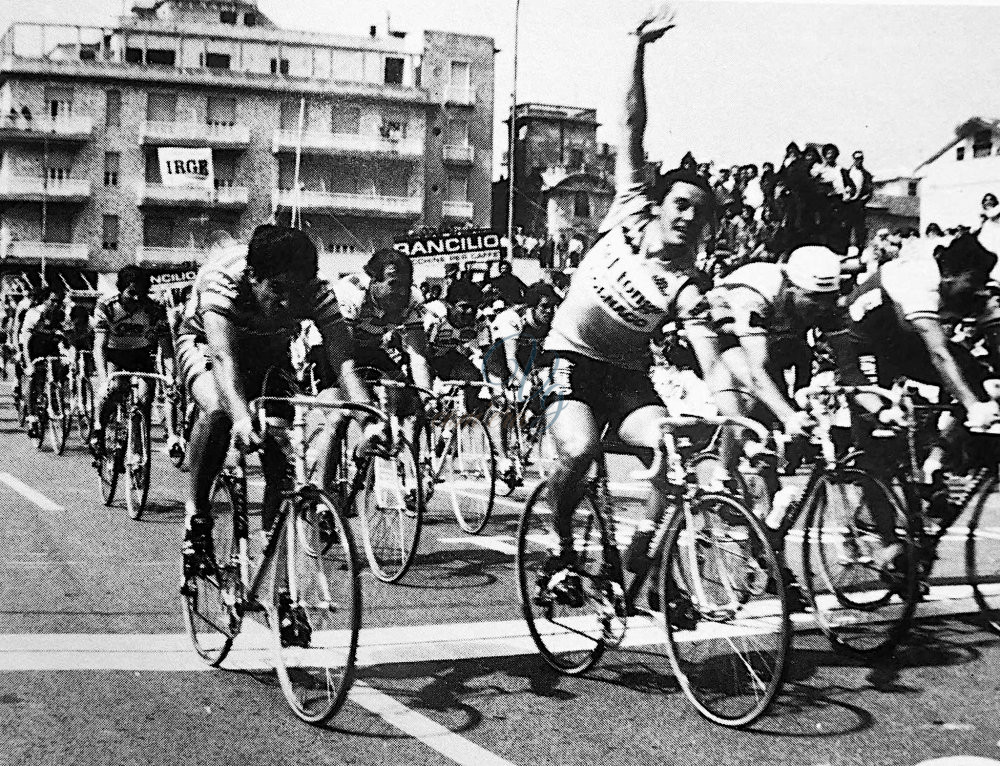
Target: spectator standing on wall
861	194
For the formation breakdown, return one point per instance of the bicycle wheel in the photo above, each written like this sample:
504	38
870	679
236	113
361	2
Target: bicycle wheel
58	416
85	411
178	407
391	505
571	638
209	602
982	556
111	463
317	593
855	603
41	410
137	463
542	453
726	617
21	400
470	473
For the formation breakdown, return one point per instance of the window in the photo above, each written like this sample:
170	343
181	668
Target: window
279	66
346	119
911	188
113	109
88	54
217	60
109	236
111	161
982	143
458	188
221	111
161	107
153	168
458	132
227	17
960	153
133	55
163	57
458	82
58	102
290	115
393	128
250	19
575	157
393	71
58	227
225	169
157	232
56	175
581	204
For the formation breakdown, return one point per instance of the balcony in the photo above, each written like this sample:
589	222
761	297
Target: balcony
348	143
212	134
41	127
14	188
49	252
355	204
457	154
456	209
226	197
169	256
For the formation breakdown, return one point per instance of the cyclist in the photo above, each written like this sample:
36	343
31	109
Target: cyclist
129	328
41	336
455	340
246	307
518	334
80	334
32	298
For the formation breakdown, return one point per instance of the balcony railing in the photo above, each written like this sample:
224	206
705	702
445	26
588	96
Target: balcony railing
348	143
202	133
41	127
50	252
459	154
29	188
383	207
189	196
169	256
456	209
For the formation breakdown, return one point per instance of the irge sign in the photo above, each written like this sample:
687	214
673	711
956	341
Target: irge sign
186	167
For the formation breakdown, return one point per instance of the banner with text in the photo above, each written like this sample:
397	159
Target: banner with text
461	247
180	166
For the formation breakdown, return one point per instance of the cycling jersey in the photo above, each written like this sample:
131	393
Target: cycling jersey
130	330
620	297
883	307
41	330
445	338
369	322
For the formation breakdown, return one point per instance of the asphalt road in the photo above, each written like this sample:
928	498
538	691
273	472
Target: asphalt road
94	667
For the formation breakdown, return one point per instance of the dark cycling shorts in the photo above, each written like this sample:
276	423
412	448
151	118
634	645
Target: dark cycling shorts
906	355
374	364
41	345
612	393
132	360
453	365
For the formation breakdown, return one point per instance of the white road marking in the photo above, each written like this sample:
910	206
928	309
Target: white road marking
29	494
420	727
496	543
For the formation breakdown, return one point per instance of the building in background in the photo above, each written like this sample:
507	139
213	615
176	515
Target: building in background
367	136
895	203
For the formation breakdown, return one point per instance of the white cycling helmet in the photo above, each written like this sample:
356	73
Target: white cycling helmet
814	269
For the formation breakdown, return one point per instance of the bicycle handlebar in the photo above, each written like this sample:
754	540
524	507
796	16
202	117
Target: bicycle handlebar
154	376
802	395
309	402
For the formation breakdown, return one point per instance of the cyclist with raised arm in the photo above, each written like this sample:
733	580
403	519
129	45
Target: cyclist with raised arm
246	307
129	328
41	335
637	277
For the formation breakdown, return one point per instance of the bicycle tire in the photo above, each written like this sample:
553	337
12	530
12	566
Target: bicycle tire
725	611
208	602
85	413
316	577
41	410
137	464
982	561
857	609
570	639
58	417
471	475
391	499
21	401
179	414
110	464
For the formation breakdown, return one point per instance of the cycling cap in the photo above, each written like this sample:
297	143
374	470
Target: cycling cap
814	268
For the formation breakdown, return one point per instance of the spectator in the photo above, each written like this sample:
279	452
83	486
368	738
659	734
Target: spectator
574	251
989	229
508	287
861	193
753	195
768	182
723	189
688	163
792	153
835	187
705	171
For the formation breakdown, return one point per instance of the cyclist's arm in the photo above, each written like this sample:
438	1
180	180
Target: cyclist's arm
100	357
510	352
632	158
27	329
220	337
415	347
934	339
338	342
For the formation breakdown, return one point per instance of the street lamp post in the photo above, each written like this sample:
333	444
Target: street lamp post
510	144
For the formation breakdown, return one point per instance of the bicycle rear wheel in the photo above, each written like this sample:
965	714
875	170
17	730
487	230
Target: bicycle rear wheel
58	416
470	472
212	601
571	638
111	463
855	603
317	593
137	460
85	413
982	556
391	505
725	613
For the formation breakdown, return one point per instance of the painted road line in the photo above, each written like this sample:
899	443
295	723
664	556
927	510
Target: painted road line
497	543
432	734
29	494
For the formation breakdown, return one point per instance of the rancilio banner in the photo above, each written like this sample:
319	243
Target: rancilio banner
464	246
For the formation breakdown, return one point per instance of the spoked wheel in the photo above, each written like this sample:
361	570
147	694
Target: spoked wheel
41	410
470	475
137	464
180	417
112	462
317	595
21	400
571	635
212	601
726	618
982	557
58	417
860	605
391	506
85	411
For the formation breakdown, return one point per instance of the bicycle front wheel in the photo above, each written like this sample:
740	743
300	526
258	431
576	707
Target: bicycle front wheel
725	613
58	417
570	635
391	506
982	556
858	603
470	475
137	460
212	600
85	413
111	462
317	595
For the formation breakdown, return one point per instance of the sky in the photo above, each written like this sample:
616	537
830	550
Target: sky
734	82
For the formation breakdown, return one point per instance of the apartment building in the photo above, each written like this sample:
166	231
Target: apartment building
364	137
